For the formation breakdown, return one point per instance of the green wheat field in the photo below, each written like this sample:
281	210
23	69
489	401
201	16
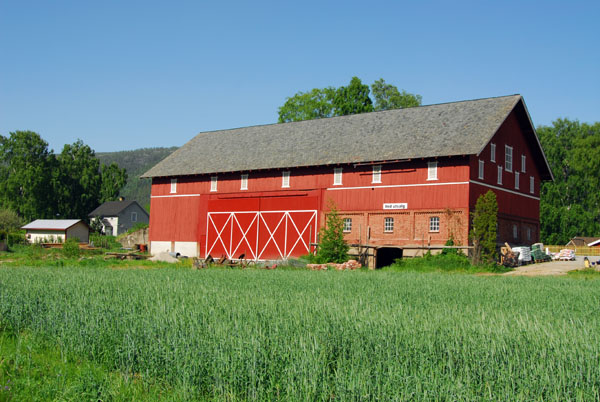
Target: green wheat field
301	335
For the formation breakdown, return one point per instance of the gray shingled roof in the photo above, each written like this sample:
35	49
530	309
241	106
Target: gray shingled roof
458	128
111	208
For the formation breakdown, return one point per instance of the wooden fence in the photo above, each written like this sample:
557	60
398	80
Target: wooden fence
579	251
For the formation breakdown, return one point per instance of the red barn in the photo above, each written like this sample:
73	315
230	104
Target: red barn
399	178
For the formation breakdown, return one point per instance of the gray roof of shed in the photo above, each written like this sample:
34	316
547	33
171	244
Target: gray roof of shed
51	224
458	128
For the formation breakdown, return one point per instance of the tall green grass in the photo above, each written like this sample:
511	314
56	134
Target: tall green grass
296	335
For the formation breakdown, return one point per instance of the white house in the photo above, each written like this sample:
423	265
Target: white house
57	230
118	217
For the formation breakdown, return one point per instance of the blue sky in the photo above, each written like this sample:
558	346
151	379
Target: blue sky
129	74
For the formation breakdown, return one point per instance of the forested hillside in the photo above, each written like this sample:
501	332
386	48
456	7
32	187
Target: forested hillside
136	163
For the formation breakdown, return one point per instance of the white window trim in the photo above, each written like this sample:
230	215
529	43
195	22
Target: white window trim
285	179
385	226
523	163
244	182
499	175
213	183
347	228
376	174
517	180
337	176
531	185
432	168
173	186
431	221
508	165
481	169
492	152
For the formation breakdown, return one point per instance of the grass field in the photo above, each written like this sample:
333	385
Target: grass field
301	335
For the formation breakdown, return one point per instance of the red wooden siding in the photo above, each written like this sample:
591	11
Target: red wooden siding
264	221
261	228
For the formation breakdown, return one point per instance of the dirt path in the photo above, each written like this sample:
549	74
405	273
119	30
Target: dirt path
548	268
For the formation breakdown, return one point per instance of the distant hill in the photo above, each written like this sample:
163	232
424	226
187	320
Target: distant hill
136	162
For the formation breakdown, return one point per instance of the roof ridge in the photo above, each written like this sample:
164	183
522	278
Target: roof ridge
354	114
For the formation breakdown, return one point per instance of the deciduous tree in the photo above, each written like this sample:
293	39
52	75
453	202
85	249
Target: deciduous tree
113	180
352	99
78	186
388	97
314	104
26	167
570	206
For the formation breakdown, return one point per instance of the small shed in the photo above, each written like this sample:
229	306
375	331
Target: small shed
57	230
583	241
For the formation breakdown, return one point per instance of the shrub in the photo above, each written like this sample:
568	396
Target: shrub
332	247
71	248
9	220
137	226
484	232
107	242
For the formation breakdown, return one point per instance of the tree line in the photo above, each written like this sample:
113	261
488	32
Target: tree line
35	183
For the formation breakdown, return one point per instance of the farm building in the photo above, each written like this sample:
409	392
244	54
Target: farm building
399	179
583	242
118	217
56	230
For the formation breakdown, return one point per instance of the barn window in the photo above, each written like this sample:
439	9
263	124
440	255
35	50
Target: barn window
432	171
347	225
388	225
523	160
173	186
213	183
516	180
508	158
499	174
481	169
531	185
515	231
244	184
337	176
285	179
528	233
134	217
492	152
434	224
376	174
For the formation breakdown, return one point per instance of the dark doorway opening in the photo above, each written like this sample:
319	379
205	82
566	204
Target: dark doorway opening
387	255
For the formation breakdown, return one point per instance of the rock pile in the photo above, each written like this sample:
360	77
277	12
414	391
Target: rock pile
350	264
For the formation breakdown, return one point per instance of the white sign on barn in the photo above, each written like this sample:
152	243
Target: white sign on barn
396	205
